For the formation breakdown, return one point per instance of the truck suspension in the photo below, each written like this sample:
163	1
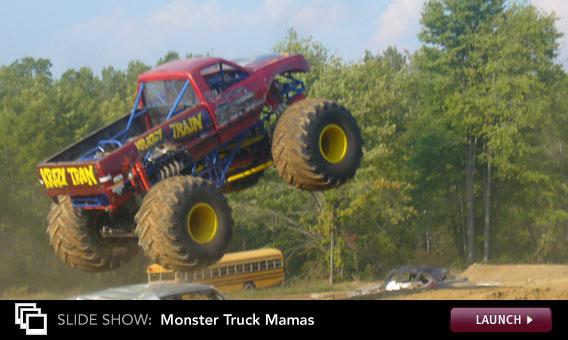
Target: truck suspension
173	168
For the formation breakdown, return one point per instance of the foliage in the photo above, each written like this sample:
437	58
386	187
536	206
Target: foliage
485	71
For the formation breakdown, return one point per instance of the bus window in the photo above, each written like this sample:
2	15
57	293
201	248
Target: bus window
234	272
180	276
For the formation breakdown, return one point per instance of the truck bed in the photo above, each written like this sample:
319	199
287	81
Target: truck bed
83	150
76	170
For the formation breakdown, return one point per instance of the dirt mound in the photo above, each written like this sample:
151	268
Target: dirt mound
504	282
517	275
485	293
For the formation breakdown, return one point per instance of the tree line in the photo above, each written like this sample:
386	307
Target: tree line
464	152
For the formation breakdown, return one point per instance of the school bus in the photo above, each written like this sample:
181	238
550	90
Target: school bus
251	269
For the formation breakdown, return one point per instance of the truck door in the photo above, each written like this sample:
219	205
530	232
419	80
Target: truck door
235	97
189	123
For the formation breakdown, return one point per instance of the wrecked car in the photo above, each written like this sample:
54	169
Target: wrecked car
406	278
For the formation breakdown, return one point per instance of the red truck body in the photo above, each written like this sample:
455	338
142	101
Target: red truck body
99	178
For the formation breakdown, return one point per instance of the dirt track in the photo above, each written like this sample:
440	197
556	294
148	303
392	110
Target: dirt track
498	282
533	282
494	282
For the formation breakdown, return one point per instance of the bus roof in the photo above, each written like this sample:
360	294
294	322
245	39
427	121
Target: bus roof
249	255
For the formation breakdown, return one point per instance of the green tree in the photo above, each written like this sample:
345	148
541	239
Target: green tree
170	56
315	53
492	63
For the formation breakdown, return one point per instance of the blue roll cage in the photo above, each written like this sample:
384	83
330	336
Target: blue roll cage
215	167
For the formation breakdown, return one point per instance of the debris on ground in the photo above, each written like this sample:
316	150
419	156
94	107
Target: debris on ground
403	278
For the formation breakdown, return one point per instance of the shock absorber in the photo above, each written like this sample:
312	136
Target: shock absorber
170	169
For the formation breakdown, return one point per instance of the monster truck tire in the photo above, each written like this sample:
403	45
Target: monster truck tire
316	145
242	184
184	223
74	236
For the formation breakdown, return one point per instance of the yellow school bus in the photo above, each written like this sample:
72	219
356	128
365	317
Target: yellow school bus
242	270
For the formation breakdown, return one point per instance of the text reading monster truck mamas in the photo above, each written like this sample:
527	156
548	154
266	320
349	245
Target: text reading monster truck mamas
237	320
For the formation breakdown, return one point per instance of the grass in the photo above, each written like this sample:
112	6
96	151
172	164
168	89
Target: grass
24	293
294	289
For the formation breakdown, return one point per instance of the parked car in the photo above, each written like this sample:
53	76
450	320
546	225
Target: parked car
156	291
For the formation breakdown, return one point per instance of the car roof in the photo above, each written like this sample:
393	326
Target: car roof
437	273
182	68
147	291
255	60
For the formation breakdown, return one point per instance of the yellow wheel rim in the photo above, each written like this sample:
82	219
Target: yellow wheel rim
333	143
202	223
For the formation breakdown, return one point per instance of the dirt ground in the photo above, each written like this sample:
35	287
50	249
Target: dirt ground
503	282
484	282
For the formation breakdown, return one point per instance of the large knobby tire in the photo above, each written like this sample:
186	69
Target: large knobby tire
316	145
75	236
184	223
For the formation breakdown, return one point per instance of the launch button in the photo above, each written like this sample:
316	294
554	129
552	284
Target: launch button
501	320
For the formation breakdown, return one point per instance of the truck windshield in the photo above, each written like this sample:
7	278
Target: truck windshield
159	96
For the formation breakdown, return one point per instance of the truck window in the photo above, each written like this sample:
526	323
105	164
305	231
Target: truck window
159	96
221	76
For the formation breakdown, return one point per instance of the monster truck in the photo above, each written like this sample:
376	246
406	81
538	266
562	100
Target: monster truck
199	128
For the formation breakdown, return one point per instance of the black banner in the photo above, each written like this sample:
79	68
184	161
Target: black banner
361	318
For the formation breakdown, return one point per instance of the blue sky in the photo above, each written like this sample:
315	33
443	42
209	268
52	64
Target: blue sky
73	34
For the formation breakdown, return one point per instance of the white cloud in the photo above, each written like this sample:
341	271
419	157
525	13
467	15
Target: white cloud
398	25
321	17
229	30
182	14
191	26
117	38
